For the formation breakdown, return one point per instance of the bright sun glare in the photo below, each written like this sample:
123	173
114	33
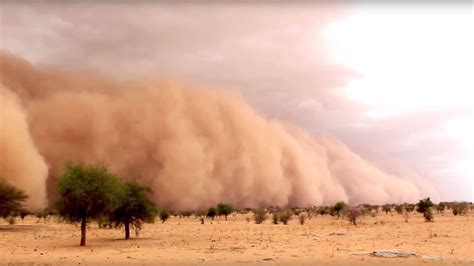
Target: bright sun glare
411	59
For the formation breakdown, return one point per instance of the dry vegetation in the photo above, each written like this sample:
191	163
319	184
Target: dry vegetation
323	238
93	202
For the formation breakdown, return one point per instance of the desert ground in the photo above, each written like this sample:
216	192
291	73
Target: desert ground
323	240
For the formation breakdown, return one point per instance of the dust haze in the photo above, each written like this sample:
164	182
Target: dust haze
194	146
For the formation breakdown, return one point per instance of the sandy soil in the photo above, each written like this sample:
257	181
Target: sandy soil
321	241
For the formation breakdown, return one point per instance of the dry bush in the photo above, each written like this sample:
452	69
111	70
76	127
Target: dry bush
259	216
440	207
399	208
324	210
459	208
11	220
285	216
387	208
275	218
352	214
405	216
410	208
301	218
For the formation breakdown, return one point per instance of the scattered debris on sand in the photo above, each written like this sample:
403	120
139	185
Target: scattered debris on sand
394	253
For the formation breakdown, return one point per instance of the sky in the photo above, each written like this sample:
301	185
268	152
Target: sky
393	81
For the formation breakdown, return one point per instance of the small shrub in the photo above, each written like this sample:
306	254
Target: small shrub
399	209
352	214
259	216
103	221
211	213
285	217
324	210
42	214
296	211
424	206
23	213
11	220
337	209
440	207
459	208
301	218
164	215
275	218
387	208
247	219
410	208
428	215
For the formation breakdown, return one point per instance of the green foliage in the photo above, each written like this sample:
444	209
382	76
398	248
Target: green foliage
259	216
275	218
23	213
134	207
11	199
41	214
104	221
324	210
296	211
428	215
424	206
399	208
440	207
459	208
337	208
224	209
85	192
285	216
211	212
164	215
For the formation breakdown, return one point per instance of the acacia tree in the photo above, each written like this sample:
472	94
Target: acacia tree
211	213
338	208
11	199
134	207
85	192
424	206
352	214
224	209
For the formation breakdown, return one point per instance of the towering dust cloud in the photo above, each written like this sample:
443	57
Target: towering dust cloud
194	147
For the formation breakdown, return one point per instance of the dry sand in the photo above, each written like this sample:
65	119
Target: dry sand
321	241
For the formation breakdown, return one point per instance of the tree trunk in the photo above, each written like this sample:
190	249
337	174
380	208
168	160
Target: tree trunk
83	231
127	230
226	217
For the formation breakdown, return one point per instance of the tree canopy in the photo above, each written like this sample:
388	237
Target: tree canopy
224	209
134	207
11	199
338	208
85	192
211	212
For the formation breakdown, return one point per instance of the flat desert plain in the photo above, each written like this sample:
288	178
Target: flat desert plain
320	241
